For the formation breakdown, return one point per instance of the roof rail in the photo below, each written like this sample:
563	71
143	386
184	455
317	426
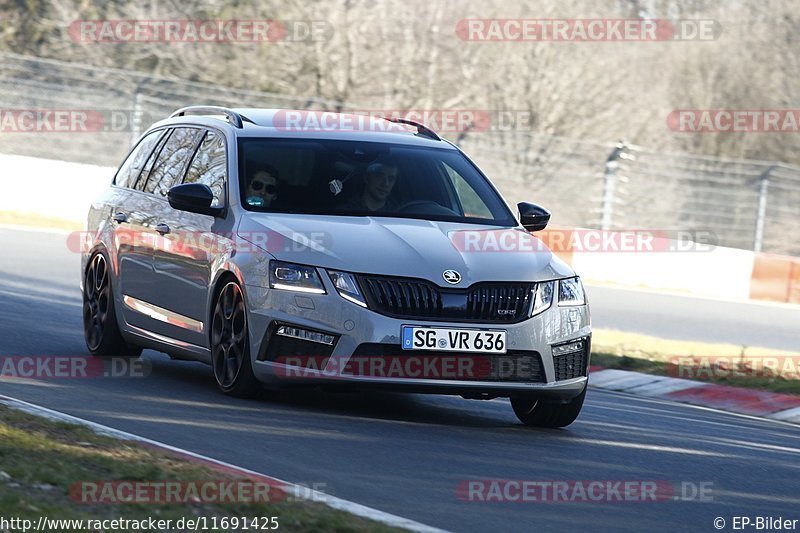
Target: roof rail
232	116
422	129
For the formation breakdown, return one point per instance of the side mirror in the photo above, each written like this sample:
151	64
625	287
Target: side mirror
193	197
533	217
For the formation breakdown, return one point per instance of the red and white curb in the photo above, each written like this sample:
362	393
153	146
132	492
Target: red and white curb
290	489
785	407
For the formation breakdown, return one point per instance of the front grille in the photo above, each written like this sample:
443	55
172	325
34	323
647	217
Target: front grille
514	366
411	298
571	365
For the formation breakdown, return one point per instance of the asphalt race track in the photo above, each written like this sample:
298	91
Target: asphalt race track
765	325
407	454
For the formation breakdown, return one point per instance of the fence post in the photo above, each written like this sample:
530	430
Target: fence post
610	185
761	216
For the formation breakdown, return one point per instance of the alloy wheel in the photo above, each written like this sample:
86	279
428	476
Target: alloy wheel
96	297
228	335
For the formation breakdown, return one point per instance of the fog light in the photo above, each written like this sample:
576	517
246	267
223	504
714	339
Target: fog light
305	334
570	347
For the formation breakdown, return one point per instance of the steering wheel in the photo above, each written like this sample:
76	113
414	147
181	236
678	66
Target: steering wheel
415	203
433	207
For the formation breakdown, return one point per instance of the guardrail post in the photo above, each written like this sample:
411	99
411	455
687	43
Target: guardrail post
761	216
610	185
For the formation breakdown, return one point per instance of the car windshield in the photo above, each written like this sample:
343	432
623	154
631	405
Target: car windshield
334	177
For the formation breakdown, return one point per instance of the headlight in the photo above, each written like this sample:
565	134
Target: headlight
570	292
347	287
291	277
543	297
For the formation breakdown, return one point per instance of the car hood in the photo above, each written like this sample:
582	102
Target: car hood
404	247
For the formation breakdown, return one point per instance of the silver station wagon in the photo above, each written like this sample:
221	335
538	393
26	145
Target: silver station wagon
290	248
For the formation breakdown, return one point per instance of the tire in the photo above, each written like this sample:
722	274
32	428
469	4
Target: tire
100	328
230	344
543	413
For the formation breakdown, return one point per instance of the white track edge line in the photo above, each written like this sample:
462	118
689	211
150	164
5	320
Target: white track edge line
301	492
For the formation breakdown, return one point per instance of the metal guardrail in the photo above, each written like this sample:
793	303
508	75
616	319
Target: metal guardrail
746	204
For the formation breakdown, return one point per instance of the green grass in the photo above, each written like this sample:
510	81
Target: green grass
44	458
653	355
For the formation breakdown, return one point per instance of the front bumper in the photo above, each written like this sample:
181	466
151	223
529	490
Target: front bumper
354	326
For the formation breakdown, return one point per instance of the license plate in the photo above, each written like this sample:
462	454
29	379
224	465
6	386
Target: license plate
454	340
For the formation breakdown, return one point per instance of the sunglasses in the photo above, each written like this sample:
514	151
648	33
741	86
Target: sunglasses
268	188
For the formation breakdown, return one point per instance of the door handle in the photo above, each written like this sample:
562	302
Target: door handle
119	218
162	228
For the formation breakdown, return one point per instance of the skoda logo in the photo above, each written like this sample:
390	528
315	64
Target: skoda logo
451	276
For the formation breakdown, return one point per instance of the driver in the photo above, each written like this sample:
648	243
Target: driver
379	182
262	190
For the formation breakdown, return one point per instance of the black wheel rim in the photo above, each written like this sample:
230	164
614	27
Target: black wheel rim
228	335
96	297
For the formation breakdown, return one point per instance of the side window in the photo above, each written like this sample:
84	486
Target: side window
130	169
148	166
210	166
171	162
